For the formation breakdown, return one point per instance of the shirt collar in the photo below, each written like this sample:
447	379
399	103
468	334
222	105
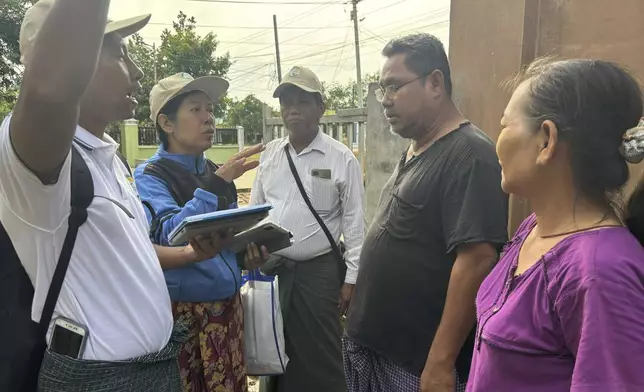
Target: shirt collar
192	162
318	144
90	142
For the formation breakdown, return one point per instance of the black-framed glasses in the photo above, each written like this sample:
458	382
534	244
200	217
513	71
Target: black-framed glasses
390	91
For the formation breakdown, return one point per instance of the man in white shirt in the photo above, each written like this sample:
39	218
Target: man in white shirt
315	284
78	78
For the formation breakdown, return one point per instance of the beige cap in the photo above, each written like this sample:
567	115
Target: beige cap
36	15
300	77
213	86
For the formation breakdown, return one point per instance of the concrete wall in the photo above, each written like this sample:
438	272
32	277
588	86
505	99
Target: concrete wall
136	154
383	151
490	40
217	154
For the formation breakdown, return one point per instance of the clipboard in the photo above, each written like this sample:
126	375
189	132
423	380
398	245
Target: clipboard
236	219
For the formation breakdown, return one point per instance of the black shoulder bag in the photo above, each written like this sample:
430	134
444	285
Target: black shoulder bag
339	254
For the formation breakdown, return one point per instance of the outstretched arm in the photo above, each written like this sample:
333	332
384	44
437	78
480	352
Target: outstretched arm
60	66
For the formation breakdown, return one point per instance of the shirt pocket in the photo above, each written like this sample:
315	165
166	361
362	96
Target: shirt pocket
403	219
324	194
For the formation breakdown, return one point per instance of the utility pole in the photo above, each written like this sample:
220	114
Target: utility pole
154	56
354	16
277	50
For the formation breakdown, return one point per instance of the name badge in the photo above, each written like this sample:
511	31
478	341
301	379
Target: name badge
321	173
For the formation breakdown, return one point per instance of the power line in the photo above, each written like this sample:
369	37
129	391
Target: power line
365	30
365	40
337	67
286	23
431	15
251	27
266	2
252	53
246	73
325	43
384	7
354	17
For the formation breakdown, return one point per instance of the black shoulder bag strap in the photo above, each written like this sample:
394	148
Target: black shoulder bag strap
82	193
327	233
122	158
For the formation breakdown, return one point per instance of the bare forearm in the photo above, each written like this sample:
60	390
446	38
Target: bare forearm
60	65
174	257
459	314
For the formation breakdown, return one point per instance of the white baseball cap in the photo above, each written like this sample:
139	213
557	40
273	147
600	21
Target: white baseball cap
302	78
173	86
36	15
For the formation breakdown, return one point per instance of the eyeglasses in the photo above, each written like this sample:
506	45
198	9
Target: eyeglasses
390	91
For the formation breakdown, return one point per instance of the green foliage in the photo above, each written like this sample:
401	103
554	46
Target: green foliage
248	114
11	14
144	57
181	50
343	96
7	100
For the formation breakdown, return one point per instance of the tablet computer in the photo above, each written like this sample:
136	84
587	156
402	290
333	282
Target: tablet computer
235	219
268	234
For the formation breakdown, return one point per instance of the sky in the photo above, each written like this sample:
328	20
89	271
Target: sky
317	34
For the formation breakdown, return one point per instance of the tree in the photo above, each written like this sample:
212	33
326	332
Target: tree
343	96
11	14
248	114
181	50
7	100
144	56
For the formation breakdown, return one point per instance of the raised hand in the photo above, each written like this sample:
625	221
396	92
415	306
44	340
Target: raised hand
239	163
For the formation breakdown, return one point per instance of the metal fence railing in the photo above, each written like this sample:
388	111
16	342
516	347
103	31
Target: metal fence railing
226	136
148	136
114	131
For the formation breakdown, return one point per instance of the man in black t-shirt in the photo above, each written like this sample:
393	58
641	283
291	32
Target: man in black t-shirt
440	222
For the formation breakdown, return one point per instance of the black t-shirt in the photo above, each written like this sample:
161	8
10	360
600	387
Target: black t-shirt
446	196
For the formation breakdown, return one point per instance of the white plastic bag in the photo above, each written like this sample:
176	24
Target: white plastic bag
264	352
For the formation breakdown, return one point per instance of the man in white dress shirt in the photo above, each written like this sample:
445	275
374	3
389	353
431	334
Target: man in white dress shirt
315	284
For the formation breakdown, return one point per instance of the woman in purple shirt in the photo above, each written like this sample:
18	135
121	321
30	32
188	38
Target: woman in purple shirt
564	308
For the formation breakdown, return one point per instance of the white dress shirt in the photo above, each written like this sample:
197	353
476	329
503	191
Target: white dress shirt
338	200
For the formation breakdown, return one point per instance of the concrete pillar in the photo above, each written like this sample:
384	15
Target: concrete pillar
130	140
361	147
384	151
240	137
267	130
351	129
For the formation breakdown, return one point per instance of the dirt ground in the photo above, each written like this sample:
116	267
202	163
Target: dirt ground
243	198
253	384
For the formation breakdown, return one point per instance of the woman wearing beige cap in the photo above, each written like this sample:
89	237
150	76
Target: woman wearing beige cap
178	182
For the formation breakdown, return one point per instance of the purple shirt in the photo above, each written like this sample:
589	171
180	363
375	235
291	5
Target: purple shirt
574	321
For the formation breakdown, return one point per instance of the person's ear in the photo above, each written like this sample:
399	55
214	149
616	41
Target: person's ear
435	82
322	107
165	123
549	140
